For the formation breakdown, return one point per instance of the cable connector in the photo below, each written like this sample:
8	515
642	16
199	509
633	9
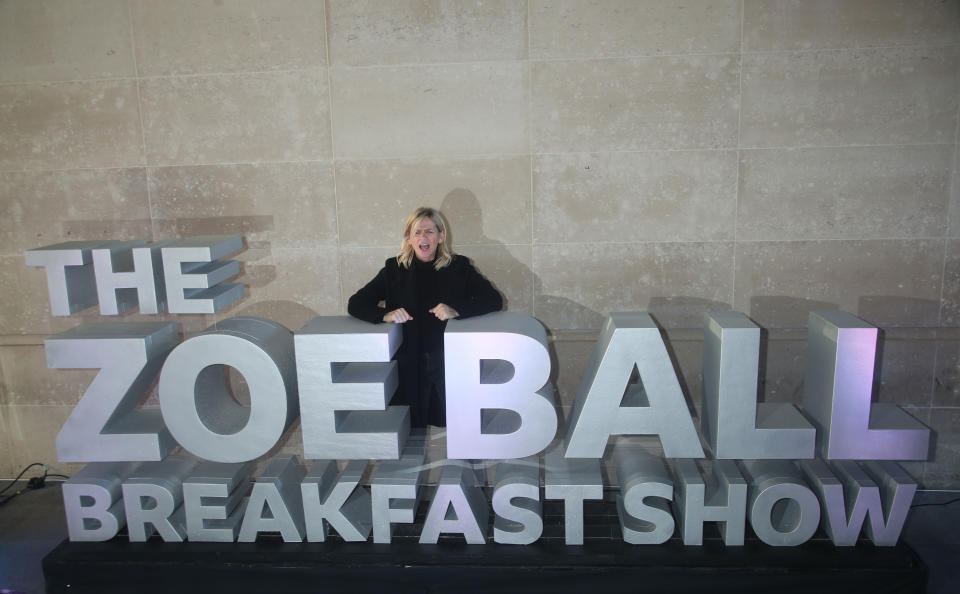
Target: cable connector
37	482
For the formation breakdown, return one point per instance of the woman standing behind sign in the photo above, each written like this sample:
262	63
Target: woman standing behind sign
423	287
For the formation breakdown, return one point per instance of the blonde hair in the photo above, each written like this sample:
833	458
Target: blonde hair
444	249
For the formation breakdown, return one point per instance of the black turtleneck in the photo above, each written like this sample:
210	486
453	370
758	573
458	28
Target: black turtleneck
430	328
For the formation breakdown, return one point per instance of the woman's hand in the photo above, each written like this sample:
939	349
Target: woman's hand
397	316
444	312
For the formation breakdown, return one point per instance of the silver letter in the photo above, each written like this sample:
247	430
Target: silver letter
518	522
396	480
792	522
128	275
860	488
572	480
733	423
197	406
455	493
727	502
162	483
106	424
641	476
99	483
346	380
194	275
841	353
218	522
345	505
630	340
276	490
70	279
499	400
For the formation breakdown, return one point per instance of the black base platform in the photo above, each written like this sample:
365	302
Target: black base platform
547	566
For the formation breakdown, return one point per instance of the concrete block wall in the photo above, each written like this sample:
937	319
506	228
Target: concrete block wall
678	157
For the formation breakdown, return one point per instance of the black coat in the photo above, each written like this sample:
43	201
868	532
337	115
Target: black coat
458	285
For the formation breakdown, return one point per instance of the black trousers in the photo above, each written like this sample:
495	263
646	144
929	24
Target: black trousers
429	405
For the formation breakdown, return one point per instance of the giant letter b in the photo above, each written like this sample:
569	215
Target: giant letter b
499	400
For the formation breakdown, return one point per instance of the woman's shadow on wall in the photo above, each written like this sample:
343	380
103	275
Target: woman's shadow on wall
462	207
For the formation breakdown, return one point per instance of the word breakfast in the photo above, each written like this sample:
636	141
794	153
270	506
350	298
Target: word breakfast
784	470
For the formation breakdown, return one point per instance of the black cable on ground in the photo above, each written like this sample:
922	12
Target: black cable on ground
22	472
936	504
35	482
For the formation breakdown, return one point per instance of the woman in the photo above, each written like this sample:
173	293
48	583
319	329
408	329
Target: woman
423	287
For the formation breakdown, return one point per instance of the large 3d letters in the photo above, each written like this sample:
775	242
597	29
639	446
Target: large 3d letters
196	403
346	382
499	400
734	424
838	388
107	425
628	341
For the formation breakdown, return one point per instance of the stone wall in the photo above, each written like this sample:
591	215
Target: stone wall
593	156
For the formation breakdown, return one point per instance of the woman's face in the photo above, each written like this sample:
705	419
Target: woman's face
424	239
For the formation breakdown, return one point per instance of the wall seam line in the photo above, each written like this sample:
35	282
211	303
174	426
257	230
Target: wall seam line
530	161
333	148
951	207
736	203
482	156
143	133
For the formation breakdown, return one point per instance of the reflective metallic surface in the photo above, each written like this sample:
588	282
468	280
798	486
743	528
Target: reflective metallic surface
458	506
196	402
153	498
849	493
129	275
516	502
574	480
107	425
346	379
337	501
394	491
212	497
657	408
783	511
896	492
194	274
733	423
70	279
500	404
726	501
838	387
92	501
643	503
275	504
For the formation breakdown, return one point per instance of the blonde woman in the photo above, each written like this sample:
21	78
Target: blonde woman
425	285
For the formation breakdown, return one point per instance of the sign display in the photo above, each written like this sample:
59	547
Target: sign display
786	470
